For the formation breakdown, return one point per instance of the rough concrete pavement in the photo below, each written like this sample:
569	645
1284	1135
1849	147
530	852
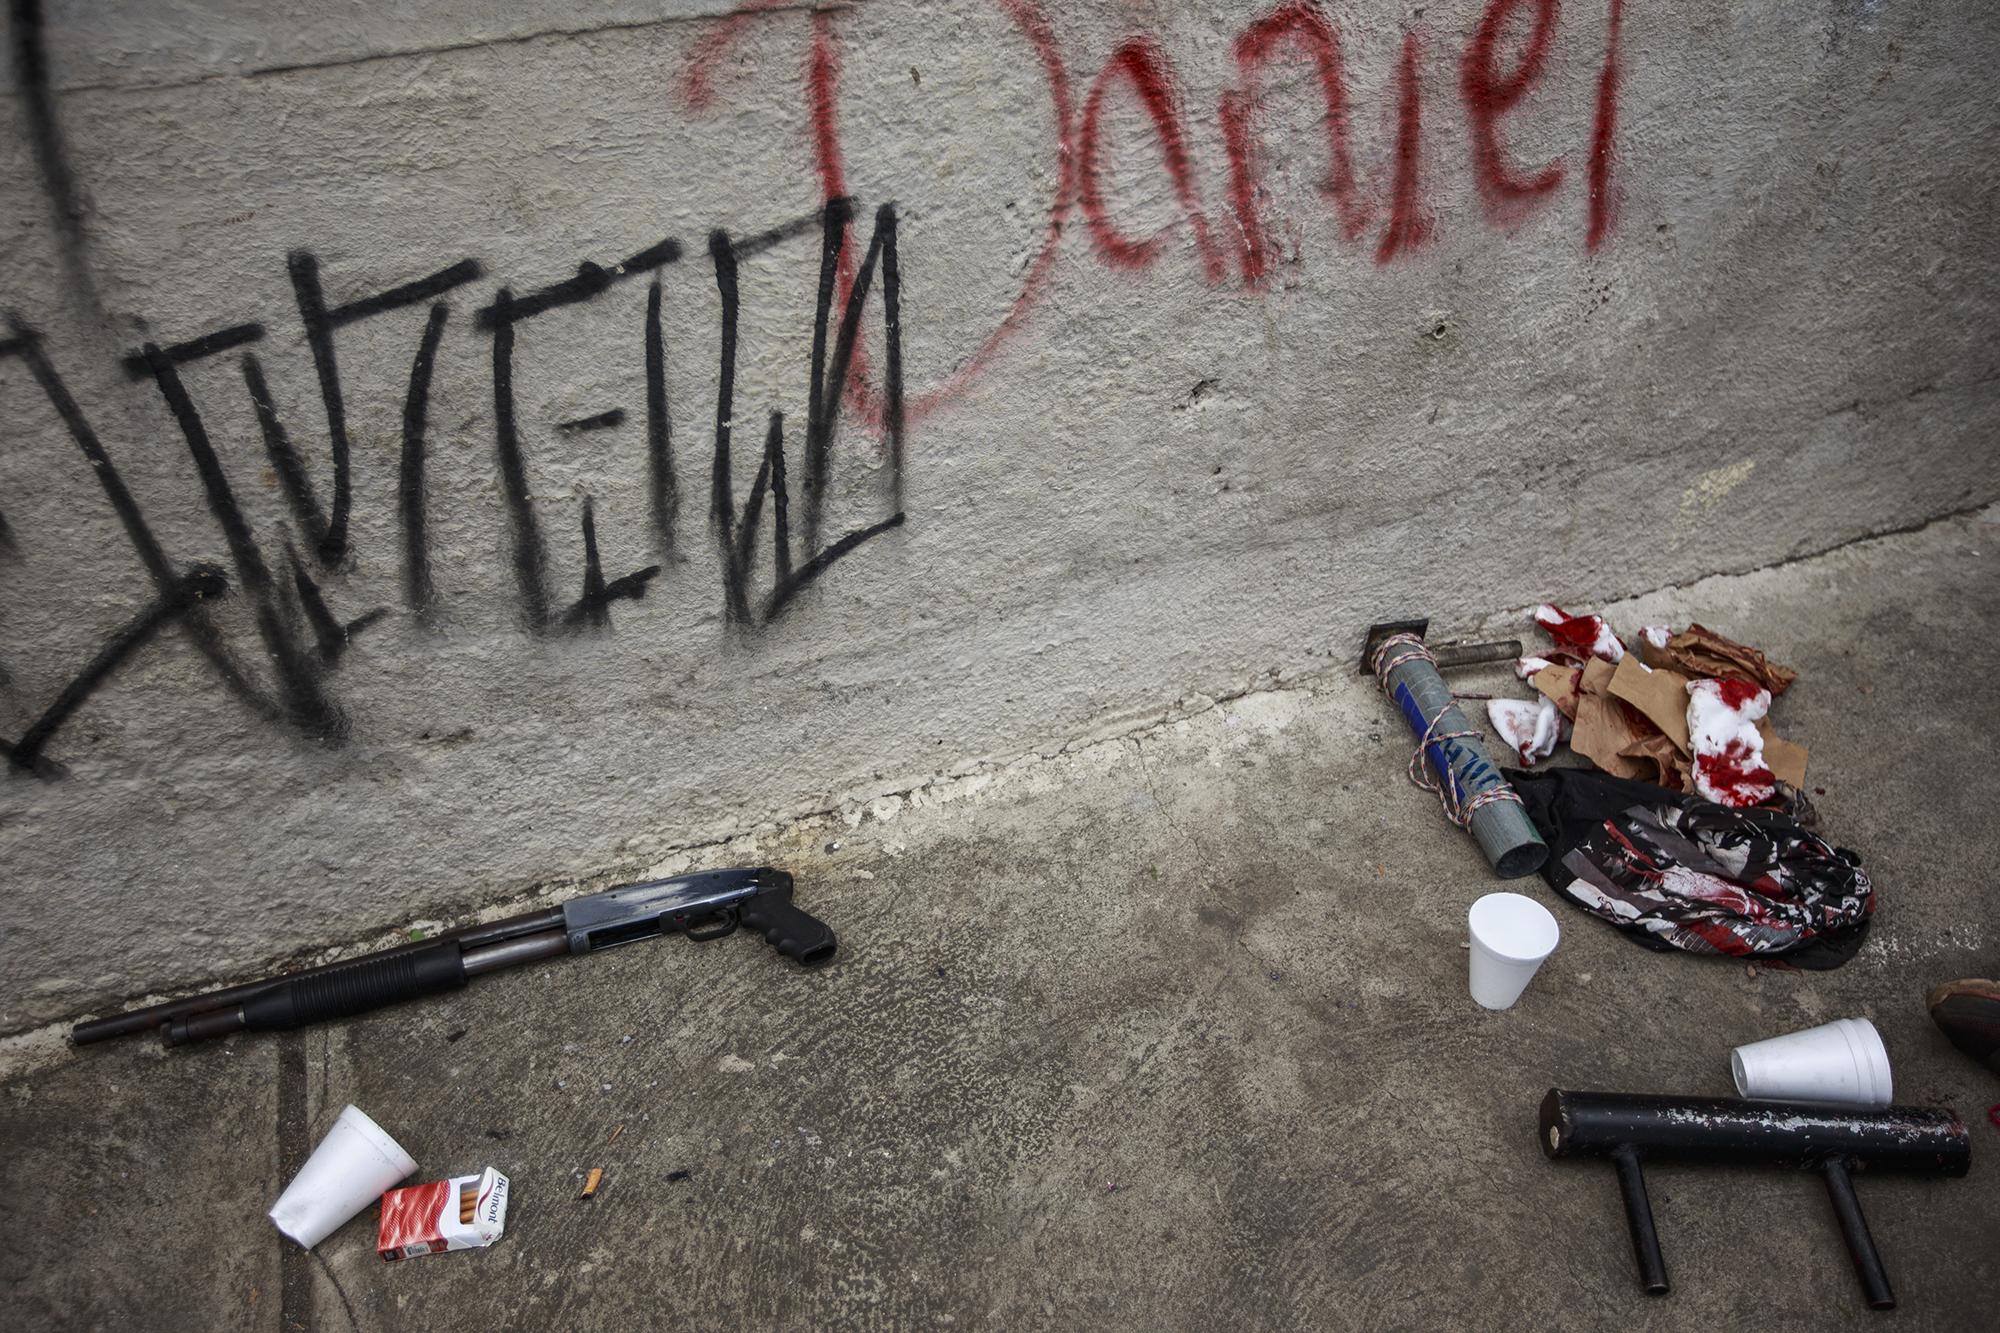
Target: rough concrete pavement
1169	1032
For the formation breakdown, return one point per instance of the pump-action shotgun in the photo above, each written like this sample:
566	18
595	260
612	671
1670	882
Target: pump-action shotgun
703	906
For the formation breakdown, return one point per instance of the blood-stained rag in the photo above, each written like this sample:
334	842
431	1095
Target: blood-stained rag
1677	872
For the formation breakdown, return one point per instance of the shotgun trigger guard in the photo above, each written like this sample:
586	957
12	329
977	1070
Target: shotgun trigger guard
726	920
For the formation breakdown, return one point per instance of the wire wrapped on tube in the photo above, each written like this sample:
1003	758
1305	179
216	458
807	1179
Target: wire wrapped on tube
1412	648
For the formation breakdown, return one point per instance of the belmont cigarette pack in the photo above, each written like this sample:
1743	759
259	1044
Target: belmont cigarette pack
463	1213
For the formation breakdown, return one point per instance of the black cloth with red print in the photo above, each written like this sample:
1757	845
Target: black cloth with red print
1676	872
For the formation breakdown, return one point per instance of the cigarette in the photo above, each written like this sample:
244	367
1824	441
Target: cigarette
590	1184
468	1202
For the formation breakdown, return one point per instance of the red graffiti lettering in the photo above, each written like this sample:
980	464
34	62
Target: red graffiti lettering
823	103
1493	83
1409	225
1603	203
697	81
822	86
1304	26
1141	63
1490	95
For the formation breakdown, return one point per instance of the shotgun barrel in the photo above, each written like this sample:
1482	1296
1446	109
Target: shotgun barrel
704	905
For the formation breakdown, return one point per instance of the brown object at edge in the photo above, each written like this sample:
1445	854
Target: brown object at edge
1968	1014
1786	760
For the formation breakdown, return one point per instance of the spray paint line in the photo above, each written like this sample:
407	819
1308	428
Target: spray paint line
1492	92
1603	199
696	89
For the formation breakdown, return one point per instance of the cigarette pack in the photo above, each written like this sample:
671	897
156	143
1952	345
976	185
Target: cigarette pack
463	1213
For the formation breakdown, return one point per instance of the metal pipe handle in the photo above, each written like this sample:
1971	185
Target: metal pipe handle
1639	1219
1854	1230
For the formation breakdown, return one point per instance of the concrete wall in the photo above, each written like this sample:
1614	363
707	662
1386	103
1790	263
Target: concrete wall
1197	380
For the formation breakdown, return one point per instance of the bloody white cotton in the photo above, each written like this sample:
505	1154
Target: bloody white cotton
1585	634
1727	747
1531	726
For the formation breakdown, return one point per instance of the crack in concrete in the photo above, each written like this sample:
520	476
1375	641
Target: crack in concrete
443	48
1514	615
1153	789
294	1141
345	1304
1863	408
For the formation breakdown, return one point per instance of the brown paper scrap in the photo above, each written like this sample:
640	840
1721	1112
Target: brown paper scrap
1563	685
1663	764
1632	722
1659	693
1606	732
1600	736
1786	761
1700	651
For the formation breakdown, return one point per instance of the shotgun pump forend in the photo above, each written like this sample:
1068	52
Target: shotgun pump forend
703	906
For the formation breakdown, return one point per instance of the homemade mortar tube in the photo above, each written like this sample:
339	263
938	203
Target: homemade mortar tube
1633	1129
1502	828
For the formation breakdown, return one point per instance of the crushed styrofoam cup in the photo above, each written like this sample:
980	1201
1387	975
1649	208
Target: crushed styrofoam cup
350	1168
1511	935
1842	1063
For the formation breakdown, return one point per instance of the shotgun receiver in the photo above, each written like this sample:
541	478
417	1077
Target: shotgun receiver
702	906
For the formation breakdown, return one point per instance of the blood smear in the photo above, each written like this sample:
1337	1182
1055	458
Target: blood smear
1728	749
1737	693
1585	633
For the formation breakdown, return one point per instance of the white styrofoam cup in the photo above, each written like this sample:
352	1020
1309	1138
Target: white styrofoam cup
1511	935
1842	1063
352	1167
